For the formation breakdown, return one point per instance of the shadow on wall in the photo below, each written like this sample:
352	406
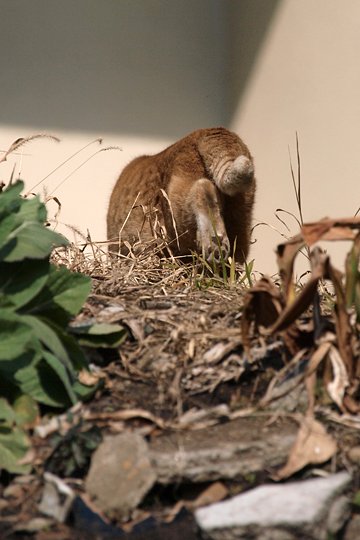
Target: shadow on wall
250	20
140	67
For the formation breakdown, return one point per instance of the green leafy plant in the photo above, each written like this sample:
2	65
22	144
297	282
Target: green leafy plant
39	358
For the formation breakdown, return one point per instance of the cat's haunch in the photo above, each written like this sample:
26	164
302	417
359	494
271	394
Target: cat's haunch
201	190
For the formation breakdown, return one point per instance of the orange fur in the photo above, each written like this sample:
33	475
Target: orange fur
208	181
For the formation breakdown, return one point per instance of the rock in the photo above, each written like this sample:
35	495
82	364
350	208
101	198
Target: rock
120	474
228	450
276	512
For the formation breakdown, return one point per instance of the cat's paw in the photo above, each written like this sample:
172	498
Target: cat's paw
217	250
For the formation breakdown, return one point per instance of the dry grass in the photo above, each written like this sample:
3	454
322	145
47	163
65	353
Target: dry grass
150	264
184	317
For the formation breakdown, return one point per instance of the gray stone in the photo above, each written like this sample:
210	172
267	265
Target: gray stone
228	450
120	474
282	511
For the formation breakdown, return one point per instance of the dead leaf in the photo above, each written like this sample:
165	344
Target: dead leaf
262	304
126	414
313	445
340	382
214	493
342	321
202	418
330	229
310	385
281	384
318	356
286	254
349	420
294	309
219	351
350	404
89	378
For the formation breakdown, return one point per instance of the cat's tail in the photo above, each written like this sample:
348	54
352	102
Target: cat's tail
233	176
236	177
228	162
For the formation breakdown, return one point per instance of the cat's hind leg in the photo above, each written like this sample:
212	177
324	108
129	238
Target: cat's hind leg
204	202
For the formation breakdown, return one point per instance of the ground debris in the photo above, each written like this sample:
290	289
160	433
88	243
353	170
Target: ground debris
216	411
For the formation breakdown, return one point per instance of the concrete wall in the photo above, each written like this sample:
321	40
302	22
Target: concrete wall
305	79
142	73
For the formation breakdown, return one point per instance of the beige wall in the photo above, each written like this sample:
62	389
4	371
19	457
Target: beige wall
141	73
306	78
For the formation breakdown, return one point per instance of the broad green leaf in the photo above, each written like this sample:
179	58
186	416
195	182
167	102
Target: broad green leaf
30	375
30	240
99	335
14	444
26	410
22	281
42	384
46	335
32	210
7	413
84	392
63	295
78	359
10	199
62	373
7	243
15	335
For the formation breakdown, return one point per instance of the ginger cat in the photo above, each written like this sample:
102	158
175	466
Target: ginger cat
201	189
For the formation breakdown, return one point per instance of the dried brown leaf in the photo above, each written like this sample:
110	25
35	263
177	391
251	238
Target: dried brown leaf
281	384
219	351
319	354
340	382
294	309
262	304
214	493
286	254
342	321
310	385
313	445
89	378
330	229
126	414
